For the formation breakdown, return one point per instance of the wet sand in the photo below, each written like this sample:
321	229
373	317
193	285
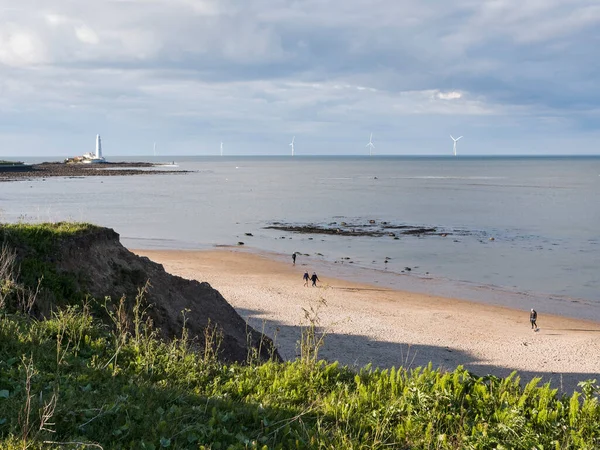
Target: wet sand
384	327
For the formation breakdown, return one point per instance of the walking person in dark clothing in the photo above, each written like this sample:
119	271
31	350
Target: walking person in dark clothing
294	258
533	319
314	278
306	278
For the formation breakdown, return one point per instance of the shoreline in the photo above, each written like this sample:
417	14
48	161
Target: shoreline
438	286
366	323
404	273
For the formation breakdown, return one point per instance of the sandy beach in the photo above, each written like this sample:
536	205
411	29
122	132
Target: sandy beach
369	324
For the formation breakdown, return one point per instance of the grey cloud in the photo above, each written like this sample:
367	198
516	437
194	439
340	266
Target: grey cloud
300	66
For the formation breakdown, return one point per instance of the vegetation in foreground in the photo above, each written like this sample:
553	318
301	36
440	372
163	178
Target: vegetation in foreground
74	381
71	382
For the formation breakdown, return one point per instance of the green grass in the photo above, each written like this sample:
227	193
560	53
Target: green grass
37	244
164	395
42	237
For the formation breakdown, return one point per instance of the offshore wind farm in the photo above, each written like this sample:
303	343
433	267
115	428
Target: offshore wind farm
454	143
370	145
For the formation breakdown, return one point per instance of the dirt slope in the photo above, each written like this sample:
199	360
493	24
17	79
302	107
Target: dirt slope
103	267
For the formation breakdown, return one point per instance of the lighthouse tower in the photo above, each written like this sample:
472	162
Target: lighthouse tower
98	147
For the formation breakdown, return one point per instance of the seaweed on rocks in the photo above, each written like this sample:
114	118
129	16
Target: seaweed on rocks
369	229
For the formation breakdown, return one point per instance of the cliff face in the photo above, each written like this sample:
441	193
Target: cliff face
103	267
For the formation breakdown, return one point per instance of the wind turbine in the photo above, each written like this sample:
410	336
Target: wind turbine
455	141
292	144
155	149
371	145
221	148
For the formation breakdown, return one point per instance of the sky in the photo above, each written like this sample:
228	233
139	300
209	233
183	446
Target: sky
511	76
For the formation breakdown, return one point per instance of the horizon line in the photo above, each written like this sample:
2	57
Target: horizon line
357	155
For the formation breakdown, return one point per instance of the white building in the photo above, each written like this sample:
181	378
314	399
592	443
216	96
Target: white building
95	157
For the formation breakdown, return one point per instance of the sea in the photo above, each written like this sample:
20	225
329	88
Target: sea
522	232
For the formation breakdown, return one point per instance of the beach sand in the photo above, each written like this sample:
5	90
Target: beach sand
384	327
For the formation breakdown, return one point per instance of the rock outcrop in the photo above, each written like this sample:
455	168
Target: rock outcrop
55	169
103	267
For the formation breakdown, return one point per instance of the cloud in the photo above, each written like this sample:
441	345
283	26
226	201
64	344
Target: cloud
453	95
201	68
86	35
19	47
55	20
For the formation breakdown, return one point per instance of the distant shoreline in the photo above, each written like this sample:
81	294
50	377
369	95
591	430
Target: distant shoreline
58	169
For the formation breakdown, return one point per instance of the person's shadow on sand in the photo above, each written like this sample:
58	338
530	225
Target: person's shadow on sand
377	353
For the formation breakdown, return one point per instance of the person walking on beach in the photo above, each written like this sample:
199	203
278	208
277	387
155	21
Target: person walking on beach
314	279
294	258
533	319
306	278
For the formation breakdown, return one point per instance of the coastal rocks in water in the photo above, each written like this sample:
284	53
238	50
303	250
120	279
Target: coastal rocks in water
248	234
357	229
56	169
420	231
315	229
240	243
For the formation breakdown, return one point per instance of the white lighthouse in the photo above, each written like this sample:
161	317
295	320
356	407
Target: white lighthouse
98	147
94	157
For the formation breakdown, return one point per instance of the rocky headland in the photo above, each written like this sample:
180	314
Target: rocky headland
72	170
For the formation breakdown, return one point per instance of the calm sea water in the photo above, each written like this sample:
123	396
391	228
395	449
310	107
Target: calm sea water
542	213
